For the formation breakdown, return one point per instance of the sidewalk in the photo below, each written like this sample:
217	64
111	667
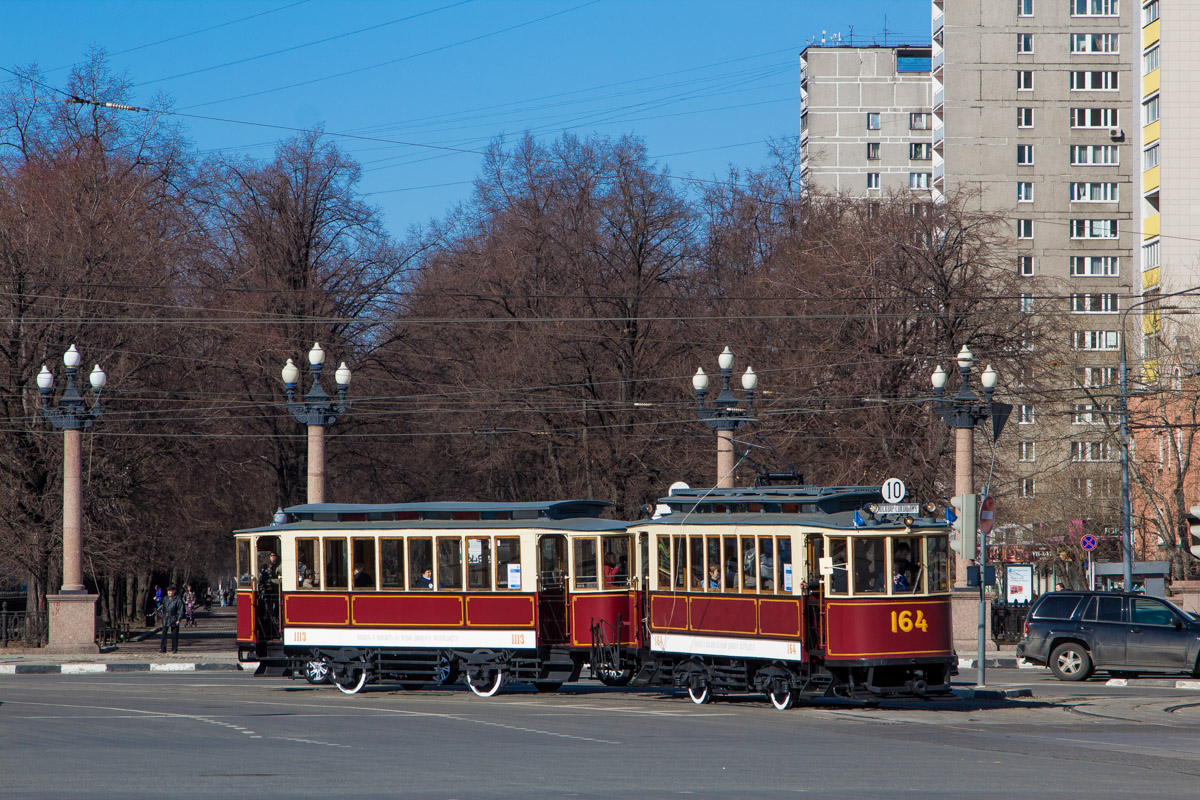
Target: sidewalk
211	645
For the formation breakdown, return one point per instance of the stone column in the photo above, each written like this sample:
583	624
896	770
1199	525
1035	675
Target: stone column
316	463
725	459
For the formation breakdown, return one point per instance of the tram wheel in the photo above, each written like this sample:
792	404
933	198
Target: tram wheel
353	681
485	681
611	676
317	672
446	670
700	694
781	696
547	686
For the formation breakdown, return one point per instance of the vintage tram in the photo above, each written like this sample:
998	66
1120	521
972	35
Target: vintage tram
795	592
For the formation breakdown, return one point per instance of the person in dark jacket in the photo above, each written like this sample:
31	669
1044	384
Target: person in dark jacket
172	615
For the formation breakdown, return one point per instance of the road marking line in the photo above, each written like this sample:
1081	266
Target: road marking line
76	669
172	667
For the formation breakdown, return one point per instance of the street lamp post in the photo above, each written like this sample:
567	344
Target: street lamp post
72	610
962	413
317	410
1126	492
723	415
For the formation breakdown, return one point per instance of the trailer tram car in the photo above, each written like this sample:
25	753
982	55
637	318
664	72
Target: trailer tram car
796	592
428	593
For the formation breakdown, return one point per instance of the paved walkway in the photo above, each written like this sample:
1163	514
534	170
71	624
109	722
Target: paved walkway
211	645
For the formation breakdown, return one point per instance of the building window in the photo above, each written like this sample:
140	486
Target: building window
1024	155
1150	157
1094	118
1096	377
1026	490
1095	43
1026	451
1094	81
1150	60
1093	229
1024	229
920	151
1025	265
1085	414
1102	303
1090	451
1025	80
872	151
1095	155
1150	12
1024	43
1095	266
1024	8
1025	415
1026	303
872	120
1095	340
1025	192
1093	192
918	122
1150	110
872	180
1094	8
919	180
1024	117
1151	255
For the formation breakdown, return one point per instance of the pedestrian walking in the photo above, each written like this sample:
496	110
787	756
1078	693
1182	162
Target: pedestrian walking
172	615
189	606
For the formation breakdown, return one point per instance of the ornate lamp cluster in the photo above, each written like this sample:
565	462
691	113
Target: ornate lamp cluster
72	412
317	407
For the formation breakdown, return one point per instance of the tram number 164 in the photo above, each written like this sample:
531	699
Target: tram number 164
905	621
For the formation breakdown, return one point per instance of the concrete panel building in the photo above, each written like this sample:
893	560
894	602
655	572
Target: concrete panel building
865	119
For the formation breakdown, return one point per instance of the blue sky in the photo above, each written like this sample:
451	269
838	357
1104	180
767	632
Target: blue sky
704	83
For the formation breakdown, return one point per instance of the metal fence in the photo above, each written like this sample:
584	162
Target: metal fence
26	628
1008	622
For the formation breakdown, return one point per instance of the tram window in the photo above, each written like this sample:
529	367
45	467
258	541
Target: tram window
449	568
749	562
815	549
479	563
697	553
508	562
731	564
838	582
871	570
644	551
363	551
585	563
391	563
680	552
663	546
713	580
616	561
937	561
420	558
766	564
908	573
306	559
335	564
783	565
245	568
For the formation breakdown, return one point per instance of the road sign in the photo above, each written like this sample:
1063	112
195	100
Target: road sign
893	490
1088	542
987	514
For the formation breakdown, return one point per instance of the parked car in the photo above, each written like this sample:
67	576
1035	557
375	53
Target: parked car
1076	633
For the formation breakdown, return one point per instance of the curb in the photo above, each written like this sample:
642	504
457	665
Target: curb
999	662
991	694
1156	682
87	668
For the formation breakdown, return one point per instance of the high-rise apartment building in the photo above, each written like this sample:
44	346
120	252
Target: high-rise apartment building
1033	115
865	119
1169	98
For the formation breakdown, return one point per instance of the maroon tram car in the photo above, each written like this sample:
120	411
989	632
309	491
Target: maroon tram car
796	592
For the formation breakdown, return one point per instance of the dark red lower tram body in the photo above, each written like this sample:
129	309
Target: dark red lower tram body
786	646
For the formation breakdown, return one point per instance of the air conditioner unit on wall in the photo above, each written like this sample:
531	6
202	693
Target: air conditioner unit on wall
1115	133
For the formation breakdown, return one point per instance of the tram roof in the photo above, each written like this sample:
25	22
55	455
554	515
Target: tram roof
842	520
583	515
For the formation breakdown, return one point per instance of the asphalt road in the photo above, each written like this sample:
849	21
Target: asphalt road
233	735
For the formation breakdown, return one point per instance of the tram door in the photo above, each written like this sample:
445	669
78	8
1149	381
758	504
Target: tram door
553	626
267	597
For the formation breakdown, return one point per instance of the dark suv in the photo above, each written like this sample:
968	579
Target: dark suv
1075	633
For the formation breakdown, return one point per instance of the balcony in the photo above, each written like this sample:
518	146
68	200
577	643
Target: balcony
939	97
939	60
